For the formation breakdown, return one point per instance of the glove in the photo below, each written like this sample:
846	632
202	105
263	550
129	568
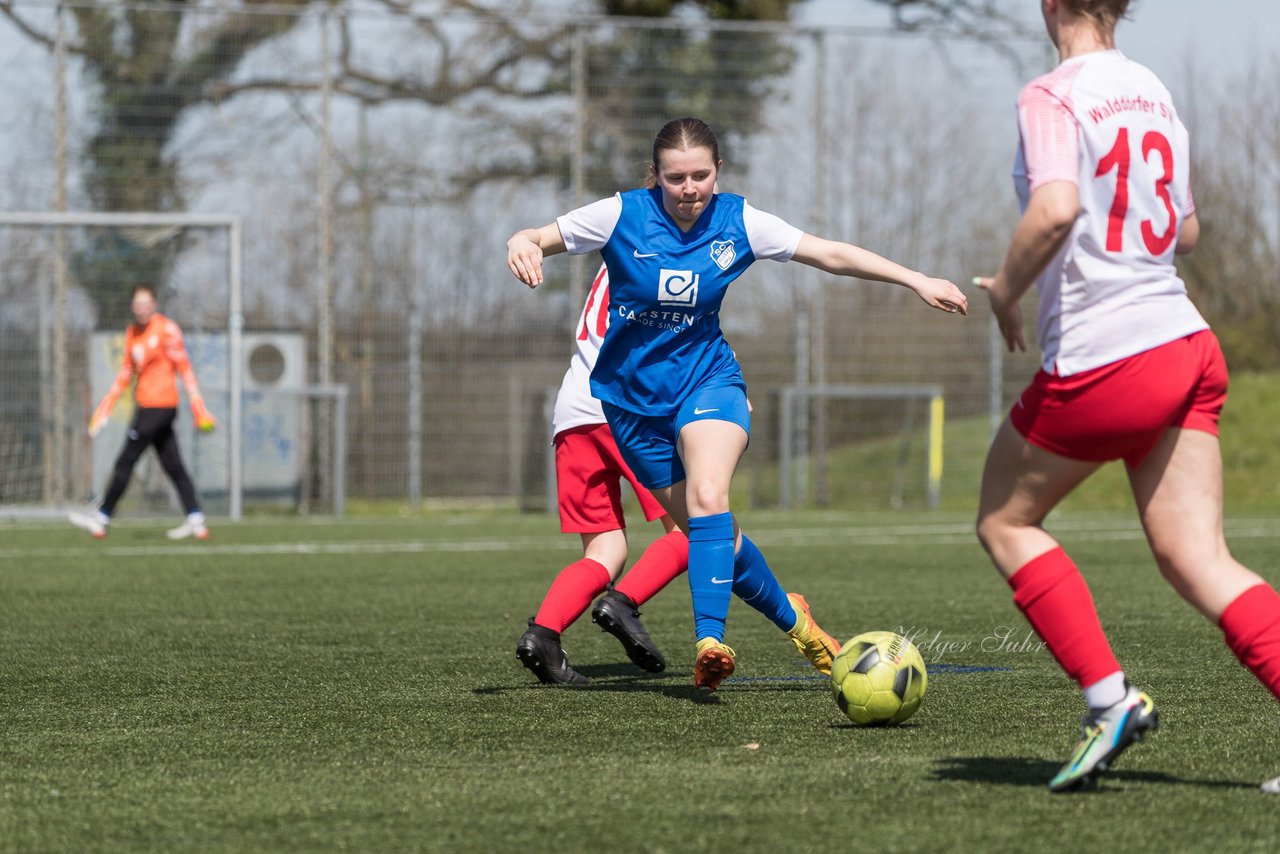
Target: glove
96	423
205	422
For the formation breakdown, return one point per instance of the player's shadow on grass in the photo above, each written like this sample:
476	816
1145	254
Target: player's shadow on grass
678	684
675	686
626	678
1023	771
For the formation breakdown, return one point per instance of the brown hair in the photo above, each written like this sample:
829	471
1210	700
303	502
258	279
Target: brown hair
684	135
1105	12
142	287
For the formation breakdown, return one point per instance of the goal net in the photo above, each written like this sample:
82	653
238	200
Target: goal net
65	285
795	454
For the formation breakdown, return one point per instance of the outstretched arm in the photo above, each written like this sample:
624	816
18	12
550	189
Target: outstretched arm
845	259
527	248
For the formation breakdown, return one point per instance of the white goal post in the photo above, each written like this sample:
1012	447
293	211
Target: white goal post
287	402
235	317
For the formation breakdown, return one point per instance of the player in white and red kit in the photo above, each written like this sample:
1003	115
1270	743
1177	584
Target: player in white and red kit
589	472
1130	371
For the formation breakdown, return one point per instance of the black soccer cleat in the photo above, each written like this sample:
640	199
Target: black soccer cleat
539	650
617	614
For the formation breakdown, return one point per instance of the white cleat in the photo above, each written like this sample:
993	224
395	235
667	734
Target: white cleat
188	529
91	522
1272	786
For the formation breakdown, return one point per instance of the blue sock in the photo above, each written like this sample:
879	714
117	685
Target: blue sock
711	572
755	584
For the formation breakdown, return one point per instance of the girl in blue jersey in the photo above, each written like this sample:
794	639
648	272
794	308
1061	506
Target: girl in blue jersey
671	388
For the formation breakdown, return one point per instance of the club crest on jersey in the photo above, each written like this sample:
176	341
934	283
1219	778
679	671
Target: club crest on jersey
678	287
723	253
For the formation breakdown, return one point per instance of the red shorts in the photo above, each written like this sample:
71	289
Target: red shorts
1120	410
589	472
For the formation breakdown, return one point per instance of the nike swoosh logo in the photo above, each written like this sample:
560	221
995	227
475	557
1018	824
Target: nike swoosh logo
697	411
639	254
715	580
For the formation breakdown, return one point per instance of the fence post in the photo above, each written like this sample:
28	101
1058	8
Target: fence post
577	168
414	367
235	369
995	370
818	332
551	491
786	403
56	480
324	273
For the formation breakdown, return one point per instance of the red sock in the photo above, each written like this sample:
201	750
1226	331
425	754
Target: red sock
1052	594
1251	625
572	593
663	561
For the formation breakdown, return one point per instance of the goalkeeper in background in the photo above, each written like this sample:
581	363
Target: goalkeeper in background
154	352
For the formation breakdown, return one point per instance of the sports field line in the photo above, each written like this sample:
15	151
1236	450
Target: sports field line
963	534
950	534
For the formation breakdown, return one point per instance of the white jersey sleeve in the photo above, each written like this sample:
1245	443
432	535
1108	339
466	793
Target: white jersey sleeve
588	228
1108	125
575	405
771	238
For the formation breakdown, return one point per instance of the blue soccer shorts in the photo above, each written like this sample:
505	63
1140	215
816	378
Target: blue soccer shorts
648	443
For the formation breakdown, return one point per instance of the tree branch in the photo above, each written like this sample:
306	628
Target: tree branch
27	28
987	22
223	48
505	48
963	17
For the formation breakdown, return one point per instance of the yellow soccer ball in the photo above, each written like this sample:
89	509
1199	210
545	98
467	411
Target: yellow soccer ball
878	679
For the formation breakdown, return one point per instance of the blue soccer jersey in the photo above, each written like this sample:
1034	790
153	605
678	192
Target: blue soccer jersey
666	287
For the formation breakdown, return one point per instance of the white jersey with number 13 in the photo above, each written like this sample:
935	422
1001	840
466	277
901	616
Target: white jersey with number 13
1107	124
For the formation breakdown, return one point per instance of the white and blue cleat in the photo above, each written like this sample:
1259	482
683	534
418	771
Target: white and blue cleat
1107	734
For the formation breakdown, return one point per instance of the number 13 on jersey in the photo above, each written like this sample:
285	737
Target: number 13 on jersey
1154	143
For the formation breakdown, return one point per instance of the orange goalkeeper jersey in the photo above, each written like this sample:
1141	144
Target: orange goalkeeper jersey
157	356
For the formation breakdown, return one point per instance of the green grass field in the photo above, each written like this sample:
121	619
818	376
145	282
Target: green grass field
860	476
352	686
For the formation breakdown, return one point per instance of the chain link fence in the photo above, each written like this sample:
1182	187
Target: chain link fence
380	155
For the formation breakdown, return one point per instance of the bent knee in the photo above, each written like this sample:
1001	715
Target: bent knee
1189	555
990	530
707	499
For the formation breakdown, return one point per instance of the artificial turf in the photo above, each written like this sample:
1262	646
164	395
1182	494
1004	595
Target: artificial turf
353	686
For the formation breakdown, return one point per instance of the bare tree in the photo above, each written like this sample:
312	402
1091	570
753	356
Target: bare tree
1236	181
151	63
483	57
994	23
977	19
